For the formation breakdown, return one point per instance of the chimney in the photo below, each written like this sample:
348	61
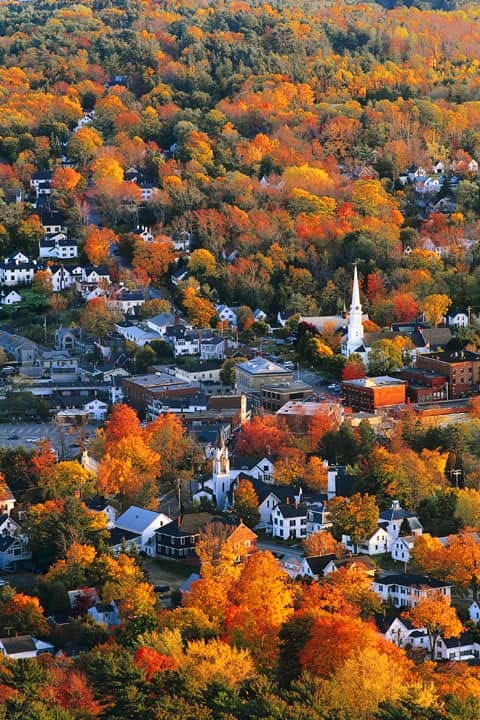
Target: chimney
287	500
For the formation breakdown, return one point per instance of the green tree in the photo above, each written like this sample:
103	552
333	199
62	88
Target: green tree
227	371
356	516
246	503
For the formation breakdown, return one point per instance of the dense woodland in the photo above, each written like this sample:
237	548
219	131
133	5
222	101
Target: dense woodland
277	134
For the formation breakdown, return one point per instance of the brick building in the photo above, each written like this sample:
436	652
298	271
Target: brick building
142	390
460	368
369	394
424	385
299	415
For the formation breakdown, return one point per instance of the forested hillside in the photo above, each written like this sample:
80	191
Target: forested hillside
277	135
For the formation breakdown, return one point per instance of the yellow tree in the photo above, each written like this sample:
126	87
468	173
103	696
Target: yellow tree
202	264
322	543
437	616
428	554
130	468
435	307
467	508
219	570
65	479
261	601
216	661
199	310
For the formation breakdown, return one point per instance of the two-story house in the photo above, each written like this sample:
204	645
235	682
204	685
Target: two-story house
405	590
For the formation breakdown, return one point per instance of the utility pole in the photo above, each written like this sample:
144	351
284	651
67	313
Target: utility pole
456	472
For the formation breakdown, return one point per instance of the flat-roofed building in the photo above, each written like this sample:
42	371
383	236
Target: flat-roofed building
252	375
275	395
142	390
369	394
299	415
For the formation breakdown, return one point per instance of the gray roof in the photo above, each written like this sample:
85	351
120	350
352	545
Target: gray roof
136	519
262	366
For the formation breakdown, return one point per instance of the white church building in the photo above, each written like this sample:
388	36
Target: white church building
217	488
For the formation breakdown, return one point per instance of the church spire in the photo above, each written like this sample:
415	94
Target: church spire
355	306
354	339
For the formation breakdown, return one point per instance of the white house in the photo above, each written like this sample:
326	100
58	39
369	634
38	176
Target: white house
403	590
144	233
136	334
41	182
58	247
376	543
13	549
401	633
259	315
7	499
125	301
390	524
160	323
52	223
183	340
396	517
226	314
143	523
289	521
464	647
319	566
318	518
97	410
199	372
105	613
17	270
10	298
61	277
212	348
98	504
8	526
474	611
402	548
24	646
457	318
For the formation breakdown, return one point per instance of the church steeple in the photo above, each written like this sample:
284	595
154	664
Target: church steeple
355	327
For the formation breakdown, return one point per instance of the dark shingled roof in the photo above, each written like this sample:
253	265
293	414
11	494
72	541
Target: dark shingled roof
19	644
290	511
117	535
318	563
410	580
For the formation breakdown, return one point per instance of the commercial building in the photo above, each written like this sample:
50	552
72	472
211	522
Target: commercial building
460	368
252	376
369	394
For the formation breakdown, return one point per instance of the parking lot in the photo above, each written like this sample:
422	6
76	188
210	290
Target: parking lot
67	441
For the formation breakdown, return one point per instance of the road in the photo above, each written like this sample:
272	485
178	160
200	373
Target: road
284	550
